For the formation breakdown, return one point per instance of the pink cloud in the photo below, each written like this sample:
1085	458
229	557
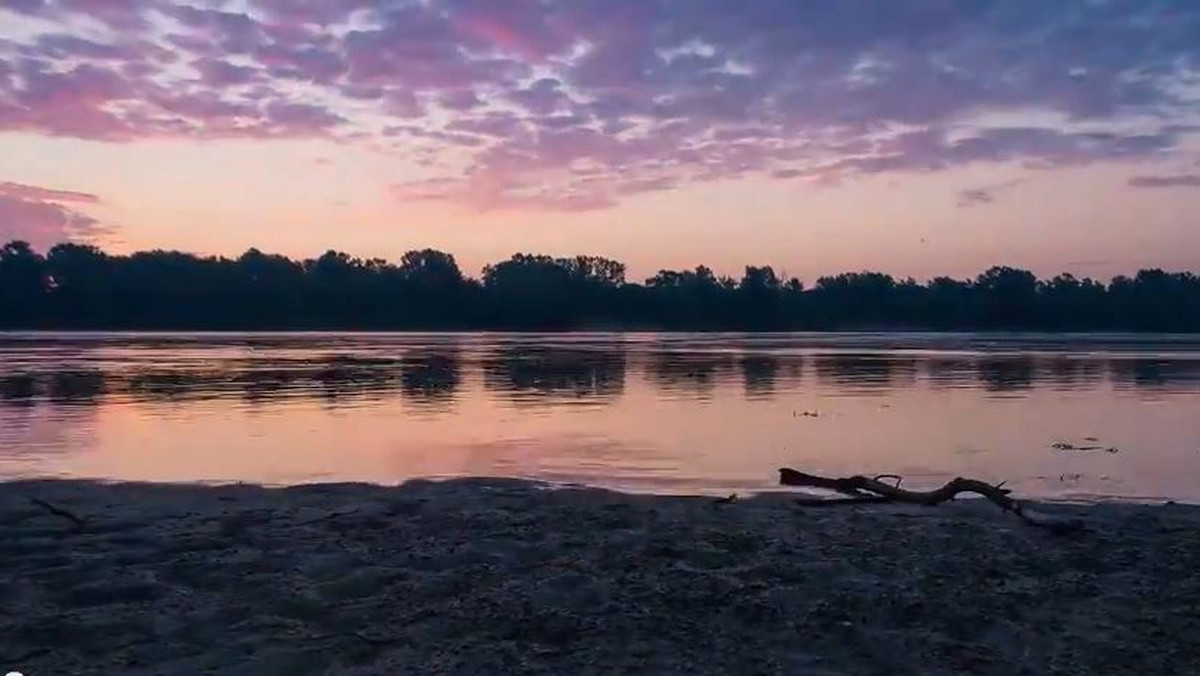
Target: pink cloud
218	73
122	14
521	27
460	100
534	95
300	118
34	193
37	215
1169	181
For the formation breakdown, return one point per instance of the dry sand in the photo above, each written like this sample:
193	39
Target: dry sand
499	577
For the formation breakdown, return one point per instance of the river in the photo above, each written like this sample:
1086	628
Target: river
1078	417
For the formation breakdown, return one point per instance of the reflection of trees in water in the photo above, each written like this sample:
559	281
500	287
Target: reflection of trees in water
431	378
173	385
950	372
264	383
1006	374
431	375
348	377
18	389
1011	373
69	387
873	373
76	387
555	371
1154	373
760	371
1070	373
426	377
695	373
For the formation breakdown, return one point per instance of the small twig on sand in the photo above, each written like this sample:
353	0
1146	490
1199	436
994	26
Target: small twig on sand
28	655
59	511
860	486
369	640
327	517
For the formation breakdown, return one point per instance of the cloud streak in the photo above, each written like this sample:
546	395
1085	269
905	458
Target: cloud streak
985	194
42	217
579	104
1175	181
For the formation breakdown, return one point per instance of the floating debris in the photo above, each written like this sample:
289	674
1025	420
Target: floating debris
1064	446
805	414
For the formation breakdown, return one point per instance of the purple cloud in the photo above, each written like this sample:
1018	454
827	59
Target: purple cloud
532	96
1175	181
35	193
219	74
39	216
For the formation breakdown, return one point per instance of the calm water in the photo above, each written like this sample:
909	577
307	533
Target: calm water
644	412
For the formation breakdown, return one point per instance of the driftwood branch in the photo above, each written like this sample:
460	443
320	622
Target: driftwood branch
862	489
59	512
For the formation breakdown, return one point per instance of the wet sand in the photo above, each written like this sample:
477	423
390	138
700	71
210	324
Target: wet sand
501	576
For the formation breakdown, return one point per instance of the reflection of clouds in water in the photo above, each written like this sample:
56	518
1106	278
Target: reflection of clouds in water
582	459
34	433
559	408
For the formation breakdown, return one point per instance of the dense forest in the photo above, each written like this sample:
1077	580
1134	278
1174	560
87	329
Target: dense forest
75	286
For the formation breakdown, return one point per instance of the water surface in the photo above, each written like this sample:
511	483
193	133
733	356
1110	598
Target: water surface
669	413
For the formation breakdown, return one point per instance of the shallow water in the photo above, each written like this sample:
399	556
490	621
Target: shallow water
666	413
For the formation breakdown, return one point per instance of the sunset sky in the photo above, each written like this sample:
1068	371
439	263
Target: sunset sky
920	137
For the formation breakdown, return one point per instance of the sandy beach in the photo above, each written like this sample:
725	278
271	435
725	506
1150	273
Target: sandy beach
504	576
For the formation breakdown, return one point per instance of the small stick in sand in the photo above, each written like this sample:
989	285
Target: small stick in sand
328	517
862	489
59	511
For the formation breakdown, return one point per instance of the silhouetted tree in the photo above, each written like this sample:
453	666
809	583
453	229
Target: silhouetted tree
78	286
22	284
1007	298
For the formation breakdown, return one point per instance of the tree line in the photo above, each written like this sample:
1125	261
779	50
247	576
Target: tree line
76	286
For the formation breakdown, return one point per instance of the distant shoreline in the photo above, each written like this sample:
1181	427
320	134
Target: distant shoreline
75	286
502	576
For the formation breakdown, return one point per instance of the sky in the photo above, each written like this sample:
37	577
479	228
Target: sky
916	137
